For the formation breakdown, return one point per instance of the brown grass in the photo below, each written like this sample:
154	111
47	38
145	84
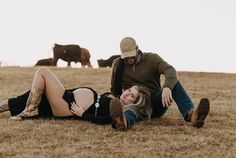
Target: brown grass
168	136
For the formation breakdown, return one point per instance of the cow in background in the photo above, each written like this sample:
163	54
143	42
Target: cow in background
107	62
85	57
45	62
71	53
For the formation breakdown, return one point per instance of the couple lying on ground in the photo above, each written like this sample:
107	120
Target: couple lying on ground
48	98
136	94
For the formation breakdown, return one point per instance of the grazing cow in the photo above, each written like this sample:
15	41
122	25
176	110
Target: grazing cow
45	62
108	62
67	53
85	57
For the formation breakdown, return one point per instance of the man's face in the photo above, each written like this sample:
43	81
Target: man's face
130	60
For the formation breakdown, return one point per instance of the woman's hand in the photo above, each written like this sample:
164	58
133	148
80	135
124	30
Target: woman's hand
76	109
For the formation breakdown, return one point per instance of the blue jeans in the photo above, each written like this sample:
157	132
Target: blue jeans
180	97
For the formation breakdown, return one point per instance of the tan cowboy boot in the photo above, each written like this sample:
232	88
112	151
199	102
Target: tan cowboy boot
117	115
200	113
31	108
4	106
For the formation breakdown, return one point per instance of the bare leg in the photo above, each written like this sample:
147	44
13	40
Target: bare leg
34	98
46	81
54	91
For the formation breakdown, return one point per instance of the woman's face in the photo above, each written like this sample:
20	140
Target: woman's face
129	96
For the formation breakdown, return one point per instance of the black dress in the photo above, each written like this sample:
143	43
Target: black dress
99	115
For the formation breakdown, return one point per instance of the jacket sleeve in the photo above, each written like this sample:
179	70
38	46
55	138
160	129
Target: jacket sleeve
114	67
131	117
117	73
168	70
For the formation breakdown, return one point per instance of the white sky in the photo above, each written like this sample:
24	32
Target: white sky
191	35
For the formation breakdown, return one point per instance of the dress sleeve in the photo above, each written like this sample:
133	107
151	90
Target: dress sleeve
102	120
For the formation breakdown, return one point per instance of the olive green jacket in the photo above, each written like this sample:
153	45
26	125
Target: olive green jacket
145	72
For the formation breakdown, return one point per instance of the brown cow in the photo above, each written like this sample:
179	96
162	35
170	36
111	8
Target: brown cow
85	57
108	62
69	53
45	62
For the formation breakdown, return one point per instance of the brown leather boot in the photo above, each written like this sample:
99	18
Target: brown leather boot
4	106
31	108
117	115
200	113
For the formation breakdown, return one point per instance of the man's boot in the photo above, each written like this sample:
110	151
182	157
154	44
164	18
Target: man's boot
117	115
31	108
200	113
4	106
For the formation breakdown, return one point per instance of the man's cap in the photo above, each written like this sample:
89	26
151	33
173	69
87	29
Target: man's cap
128	47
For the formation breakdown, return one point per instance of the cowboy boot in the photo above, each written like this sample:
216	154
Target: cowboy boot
117	115
4	106
31	108
200	113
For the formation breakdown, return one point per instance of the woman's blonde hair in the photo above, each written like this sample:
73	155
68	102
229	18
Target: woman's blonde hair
142	105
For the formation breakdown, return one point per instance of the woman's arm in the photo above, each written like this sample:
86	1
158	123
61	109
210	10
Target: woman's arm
79	111
76	109
97	119
111	96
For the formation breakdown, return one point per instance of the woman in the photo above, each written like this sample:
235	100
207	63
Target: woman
48	98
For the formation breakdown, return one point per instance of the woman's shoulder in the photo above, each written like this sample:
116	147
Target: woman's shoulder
109	95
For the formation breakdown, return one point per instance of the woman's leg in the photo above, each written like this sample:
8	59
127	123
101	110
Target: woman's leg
45	81
33	100
54	91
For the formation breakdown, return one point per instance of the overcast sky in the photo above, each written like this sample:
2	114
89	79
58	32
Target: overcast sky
191	35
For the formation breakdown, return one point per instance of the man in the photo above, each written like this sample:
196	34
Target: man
137	68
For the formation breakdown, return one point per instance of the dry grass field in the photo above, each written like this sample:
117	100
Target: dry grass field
168	136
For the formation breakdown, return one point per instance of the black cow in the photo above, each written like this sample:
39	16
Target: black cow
67	53
45	62
108	62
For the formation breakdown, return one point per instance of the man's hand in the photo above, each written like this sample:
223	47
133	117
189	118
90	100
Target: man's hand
76	109
166	97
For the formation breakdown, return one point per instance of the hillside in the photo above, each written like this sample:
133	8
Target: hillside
168	136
